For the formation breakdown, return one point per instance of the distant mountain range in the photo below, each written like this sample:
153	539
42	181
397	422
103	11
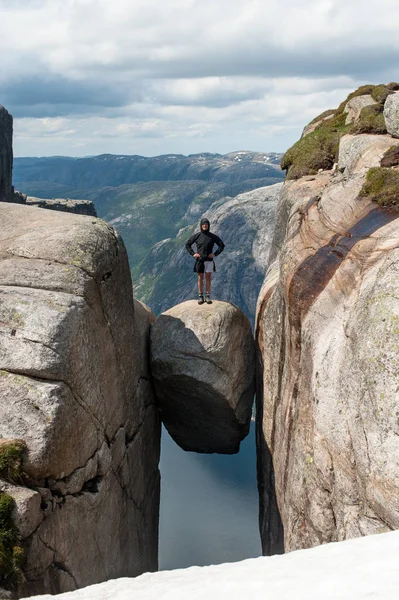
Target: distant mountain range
68	174
150	199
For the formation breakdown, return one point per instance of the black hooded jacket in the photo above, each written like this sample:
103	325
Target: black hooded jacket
204	241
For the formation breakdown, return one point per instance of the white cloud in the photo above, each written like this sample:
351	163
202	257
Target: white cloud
226	71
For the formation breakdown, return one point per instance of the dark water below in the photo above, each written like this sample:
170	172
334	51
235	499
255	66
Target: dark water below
209	506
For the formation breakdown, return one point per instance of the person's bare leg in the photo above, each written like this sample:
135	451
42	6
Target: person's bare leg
208	277
200	283
208	288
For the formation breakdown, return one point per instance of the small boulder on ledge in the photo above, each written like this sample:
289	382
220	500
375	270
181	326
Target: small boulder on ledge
203	366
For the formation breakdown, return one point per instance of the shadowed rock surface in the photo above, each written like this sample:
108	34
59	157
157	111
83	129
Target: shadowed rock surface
74	385
5	155
202	361
327	331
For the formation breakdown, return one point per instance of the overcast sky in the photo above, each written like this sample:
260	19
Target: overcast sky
156	76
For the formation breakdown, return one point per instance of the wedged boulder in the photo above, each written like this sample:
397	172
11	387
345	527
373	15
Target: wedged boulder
391	114
203	365
74	385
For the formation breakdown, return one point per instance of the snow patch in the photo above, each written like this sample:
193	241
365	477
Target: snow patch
351	570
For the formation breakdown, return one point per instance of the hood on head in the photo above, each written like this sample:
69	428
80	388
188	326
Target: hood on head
204	221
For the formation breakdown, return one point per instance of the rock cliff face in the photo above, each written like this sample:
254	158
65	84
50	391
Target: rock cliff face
5	155
75	387
327	331
203	364
7	194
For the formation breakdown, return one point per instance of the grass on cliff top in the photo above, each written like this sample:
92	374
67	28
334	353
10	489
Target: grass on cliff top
11	553
11	452
363	90
371	120
319	149
382	186
379	93
323	115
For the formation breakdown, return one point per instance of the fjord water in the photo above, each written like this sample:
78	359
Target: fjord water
209	506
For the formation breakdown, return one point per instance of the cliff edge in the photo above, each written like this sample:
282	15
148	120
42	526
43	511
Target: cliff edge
327	332
76	406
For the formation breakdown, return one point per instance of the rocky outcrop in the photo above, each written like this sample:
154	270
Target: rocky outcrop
203	361
355	106
5	155
391	114
75	386
327	324
77	207
245	224
359	153
317	150
7	193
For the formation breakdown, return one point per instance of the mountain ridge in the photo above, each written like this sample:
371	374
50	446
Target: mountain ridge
118	169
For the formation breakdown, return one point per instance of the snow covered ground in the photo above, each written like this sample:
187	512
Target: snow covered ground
360	569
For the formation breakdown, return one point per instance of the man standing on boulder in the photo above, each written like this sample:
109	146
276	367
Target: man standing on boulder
204	241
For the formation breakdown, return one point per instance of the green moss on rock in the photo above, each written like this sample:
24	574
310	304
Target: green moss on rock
317	150
380	93
371	120
382	186
11	552
11	452
363	90
326	113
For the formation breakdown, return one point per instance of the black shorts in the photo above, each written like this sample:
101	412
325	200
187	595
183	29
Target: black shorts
204	266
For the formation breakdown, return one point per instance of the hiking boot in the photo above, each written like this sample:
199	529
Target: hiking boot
208	299
200	299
